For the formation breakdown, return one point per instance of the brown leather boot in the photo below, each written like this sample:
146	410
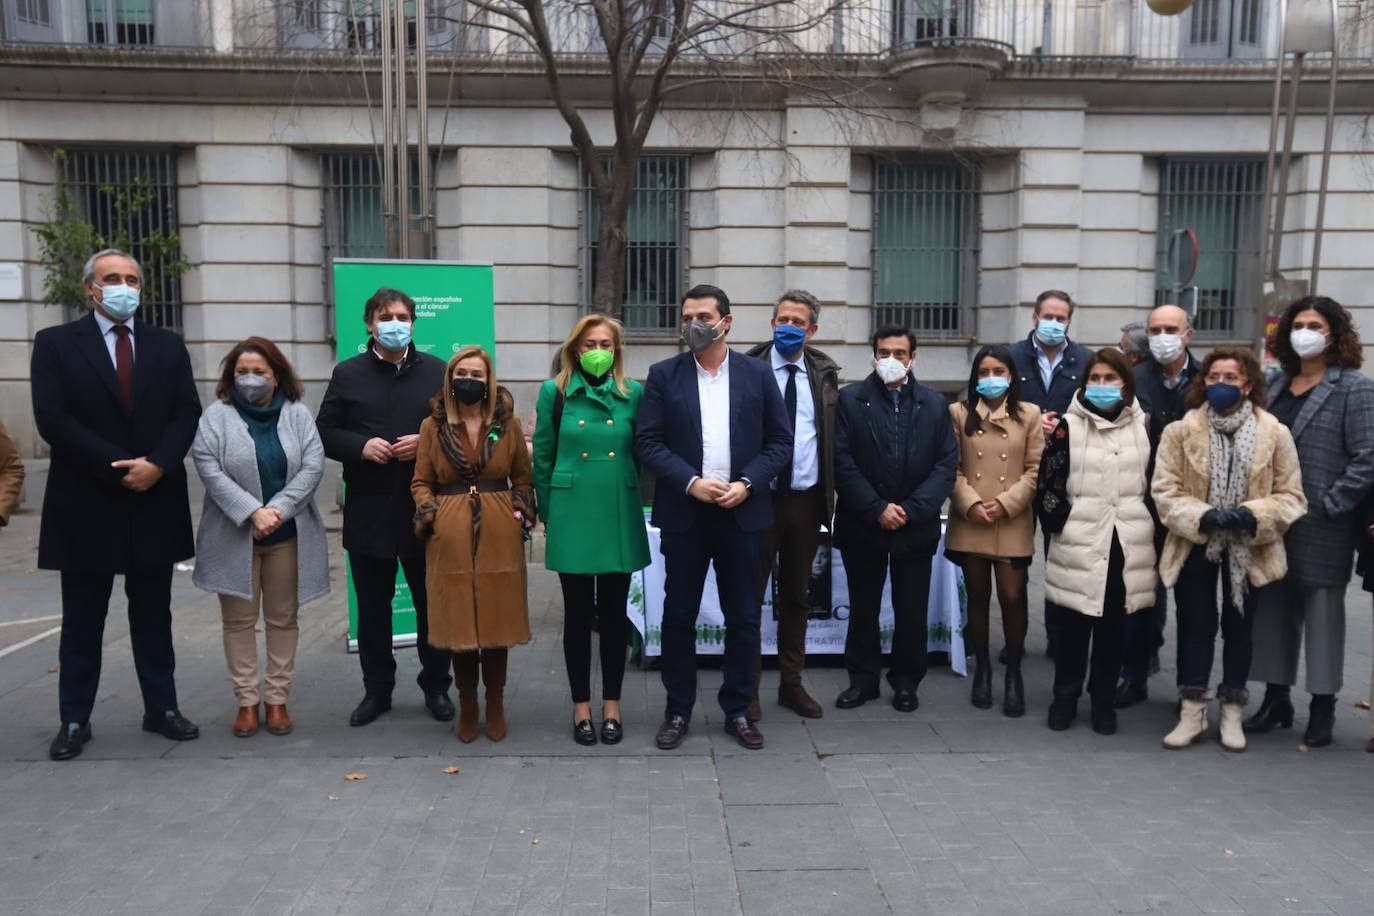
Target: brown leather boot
246	722
465	676
278	722
494	679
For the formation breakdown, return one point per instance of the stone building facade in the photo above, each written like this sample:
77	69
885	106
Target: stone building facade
997	163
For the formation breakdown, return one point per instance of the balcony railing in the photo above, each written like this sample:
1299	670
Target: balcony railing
1037	30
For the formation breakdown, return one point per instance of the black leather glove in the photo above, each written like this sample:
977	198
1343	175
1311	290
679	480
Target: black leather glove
1241	519
1211	521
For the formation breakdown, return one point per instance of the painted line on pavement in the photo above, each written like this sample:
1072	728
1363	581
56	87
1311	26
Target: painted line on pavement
30	641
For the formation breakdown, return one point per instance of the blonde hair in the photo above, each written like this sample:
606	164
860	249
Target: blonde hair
450	404
568	359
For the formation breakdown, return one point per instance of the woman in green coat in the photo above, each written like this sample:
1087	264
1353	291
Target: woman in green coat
588	488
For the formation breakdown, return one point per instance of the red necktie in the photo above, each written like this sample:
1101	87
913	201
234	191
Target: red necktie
124	364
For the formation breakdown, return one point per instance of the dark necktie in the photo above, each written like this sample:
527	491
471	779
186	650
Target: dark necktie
124	364
789	400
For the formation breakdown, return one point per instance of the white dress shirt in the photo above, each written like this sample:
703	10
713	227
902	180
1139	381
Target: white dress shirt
806	471
714	393
1046	363
107	332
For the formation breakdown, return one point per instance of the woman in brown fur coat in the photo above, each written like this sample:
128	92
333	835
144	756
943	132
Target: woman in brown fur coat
474	499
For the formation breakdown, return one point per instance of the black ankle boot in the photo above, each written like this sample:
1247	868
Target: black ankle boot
1321	719
981	695
1013	691
1063	710
1276	709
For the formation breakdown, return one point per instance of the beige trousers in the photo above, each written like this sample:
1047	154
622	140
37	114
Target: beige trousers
274	587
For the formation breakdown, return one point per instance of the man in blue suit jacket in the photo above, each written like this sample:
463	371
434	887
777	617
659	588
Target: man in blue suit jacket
713	429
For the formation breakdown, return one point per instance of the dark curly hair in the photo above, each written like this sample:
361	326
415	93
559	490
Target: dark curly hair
1249	364
1344	348
287	382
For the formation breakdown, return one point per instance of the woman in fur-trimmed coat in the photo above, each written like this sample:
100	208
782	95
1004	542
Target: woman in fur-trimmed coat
1227	486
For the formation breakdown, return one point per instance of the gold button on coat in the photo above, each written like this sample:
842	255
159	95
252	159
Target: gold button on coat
978	476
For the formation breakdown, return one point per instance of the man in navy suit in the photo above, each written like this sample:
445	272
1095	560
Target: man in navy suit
115	399
713	429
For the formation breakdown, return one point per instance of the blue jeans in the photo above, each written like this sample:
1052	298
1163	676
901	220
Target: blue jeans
714	539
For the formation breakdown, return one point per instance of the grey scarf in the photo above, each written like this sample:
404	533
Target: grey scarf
1233	452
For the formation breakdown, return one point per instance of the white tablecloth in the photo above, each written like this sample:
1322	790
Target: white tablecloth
824	635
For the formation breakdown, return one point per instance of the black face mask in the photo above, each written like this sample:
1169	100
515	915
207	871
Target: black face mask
468	390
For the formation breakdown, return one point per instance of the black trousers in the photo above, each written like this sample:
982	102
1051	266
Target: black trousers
374	581
1196	598
584	598
85	603
863	652
1077	630
1143	632
1053	613
714	540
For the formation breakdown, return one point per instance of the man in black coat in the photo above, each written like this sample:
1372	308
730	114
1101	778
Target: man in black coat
1161	386
115	400
895	462
1049	365
369	421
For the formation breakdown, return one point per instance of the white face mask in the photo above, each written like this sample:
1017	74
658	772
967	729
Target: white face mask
890	369
1307	343
1166	348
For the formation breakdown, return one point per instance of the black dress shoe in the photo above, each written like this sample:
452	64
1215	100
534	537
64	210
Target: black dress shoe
855	696
1128	694
1275	710
671	733
904	699
1104	720
71	738
584	734
745	732
1062	713
369	709
611	731
1321	720
171	724
440	706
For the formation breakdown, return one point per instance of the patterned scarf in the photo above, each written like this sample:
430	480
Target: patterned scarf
450	442
1233	452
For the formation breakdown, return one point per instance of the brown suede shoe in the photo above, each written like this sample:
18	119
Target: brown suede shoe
278	722
799	701
246	722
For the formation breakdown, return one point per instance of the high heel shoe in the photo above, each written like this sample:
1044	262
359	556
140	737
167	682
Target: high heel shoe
1275	709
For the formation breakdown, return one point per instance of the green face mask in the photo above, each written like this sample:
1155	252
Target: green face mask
597	362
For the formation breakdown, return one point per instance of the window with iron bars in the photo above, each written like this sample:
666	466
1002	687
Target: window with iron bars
33	12
925	244
119	22
354	222
656	255
1222	201
95	178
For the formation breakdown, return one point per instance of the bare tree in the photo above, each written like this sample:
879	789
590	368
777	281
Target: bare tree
639	54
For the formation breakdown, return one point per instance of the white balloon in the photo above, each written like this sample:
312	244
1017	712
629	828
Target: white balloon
1169	7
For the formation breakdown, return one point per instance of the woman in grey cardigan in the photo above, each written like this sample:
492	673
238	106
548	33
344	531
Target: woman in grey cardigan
1328	405
261	539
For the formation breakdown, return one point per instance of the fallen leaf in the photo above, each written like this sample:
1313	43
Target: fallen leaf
333	798
1230	852
30	572
355	777
1361	704
1302	748
535	841
450	770
53	670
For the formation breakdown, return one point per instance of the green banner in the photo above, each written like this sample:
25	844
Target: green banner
454	307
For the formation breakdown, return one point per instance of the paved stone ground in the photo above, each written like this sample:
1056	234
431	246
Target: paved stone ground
948	810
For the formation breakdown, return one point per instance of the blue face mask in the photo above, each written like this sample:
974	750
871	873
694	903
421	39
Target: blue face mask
1050	332
119	300
1223	397
993	387
788	339
393	335
1103	397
